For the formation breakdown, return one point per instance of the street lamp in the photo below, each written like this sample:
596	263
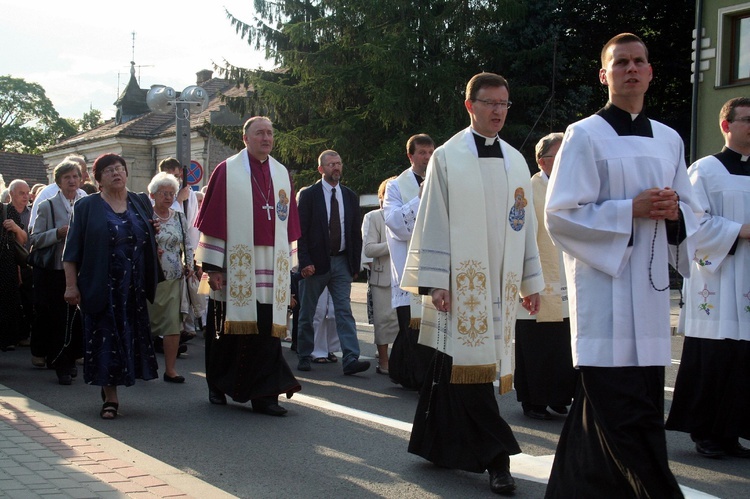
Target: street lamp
163	100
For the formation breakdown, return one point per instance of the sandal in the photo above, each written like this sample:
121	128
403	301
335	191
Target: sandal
109	410
332	357
321	360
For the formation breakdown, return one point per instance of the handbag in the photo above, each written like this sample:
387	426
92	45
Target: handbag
20	254
44	258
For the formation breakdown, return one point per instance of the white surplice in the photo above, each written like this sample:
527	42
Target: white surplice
717	294
617	318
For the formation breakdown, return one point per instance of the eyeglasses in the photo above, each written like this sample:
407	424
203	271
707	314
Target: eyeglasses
335	163
546	156
495	105
744	119
112	169
166	194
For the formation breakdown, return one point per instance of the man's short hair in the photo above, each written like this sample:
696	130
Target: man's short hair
481	80
546	142
420	139
169	164
253	120
619	40
15	183
327	152
728	109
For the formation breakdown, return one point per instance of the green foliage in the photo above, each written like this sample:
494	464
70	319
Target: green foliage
360	77
28	120
90	120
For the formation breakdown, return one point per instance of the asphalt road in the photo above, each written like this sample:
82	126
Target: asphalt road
344	436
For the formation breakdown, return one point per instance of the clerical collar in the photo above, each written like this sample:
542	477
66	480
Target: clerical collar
734	162
487	147
623	122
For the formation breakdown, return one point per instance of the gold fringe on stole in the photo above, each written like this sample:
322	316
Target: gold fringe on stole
240	327
469	375
278	331
414	323
506	384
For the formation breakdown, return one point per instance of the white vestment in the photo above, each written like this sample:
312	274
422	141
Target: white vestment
717	294
485	259
617	317
400	205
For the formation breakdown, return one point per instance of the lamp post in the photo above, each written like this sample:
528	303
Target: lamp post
164	100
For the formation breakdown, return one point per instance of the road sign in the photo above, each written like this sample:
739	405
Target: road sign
195	173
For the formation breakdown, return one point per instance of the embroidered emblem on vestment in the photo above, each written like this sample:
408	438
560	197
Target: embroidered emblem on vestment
705	293
282	270
517	217
282	207
241	286
511	306
471	313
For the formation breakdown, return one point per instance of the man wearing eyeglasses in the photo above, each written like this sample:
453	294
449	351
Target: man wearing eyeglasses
711	397
620	206
473	252
330	252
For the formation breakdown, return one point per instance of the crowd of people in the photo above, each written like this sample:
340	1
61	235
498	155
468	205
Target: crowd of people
471	263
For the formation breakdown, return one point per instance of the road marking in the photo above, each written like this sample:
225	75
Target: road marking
524	466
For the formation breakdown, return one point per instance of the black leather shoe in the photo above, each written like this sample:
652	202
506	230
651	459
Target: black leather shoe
709	448
560	409
736	449
501	481
73	372
304	364
216	397
270	408
174	379
357	366
536	412
63	377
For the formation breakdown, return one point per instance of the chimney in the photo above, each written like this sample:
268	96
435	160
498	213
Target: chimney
203	76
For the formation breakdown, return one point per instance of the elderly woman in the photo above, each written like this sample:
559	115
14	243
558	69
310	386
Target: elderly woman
175	251
375	247
57	328
111	269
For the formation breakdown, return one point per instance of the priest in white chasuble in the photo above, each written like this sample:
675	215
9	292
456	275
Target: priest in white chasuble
248	222
473	253
620	206
408	360
712	393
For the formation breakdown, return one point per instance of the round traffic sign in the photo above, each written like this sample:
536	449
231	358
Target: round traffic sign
195	172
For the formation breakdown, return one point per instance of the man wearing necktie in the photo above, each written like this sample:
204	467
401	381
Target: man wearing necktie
329	254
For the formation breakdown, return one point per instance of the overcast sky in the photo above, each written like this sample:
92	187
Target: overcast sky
80	50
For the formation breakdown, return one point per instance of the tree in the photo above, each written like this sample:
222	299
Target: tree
360	77
28	120
90	120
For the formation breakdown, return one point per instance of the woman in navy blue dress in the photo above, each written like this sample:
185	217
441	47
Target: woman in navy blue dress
110	271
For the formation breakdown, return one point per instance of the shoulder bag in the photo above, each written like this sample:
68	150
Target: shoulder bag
20	254
44	258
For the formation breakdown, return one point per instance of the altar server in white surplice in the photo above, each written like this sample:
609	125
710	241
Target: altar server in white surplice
474	251
711	397
618	199
408	361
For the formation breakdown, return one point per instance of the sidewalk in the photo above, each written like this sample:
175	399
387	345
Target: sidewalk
44	454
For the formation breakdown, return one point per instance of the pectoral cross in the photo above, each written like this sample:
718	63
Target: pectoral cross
268	209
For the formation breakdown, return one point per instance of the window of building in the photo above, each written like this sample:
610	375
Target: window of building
733	40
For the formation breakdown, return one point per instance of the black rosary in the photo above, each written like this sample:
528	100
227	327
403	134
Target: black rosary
677	253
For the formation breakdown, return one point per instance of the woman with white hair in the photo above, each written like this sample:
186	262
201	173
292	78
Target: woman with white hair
176	256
